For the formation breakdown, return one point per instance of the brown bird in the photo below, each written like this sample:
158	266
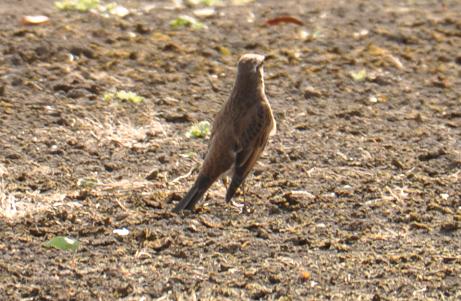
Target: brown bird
240	133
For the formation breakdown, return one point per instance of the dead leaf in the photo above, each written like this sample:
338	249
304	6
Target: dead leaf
209	223
34	20
158	244
204	12
385	55
311	92
304	275
284	19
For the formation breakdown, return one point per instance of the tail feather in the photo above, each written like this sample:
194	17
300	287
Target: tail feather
195	194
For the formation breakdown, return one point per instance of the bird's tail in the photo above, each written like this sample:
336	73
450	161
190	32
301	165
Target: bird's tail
195	194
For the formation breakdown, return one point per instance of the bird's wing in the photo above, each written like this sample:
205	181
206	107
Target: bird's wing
254	134
253	138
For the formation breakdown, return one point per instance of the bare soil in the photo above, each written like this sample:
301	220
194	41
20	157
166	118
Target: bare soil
357	197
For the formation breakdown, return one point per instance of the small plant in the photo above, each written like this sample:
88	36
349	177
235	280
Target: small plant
106	10
113	9
359	76
204	2
241	2
123	95
199	130
187	21
79	5
87	182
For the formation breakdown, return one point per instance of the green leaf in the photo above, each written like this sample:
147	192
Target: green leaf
106	10
241	2
188	155
79	5
87	182
224	51
108	96
187	21
123	95
62	243
113	9
359	76
199	130
203	2
129	96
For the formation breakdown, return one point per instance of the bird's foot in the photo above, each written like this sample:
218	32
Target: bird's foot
238	206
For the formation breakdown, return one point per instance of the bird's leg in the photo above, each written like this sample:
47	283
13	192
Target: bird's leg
243	192
236	204
225	181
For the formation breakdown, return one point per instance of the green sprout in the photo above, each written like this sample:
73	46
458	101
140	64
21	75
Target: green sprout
241	2
106	10
123	95
204	2
79	5
187	21
87	182
199	130
359	76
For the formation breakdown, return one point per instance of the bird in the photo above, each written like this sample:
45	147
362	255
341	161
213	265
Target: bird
240	132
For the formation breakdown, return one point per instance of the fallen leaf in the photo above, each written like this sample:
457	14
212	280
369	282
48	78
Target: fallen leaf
203	2
395	61
121	232
87	182
209	223
78	5
304	275
204	12
310	92
241	2
385	55
284	19
373	99
359	75
159	244
224	51
361	33
34	20
62	243
119	11
187	21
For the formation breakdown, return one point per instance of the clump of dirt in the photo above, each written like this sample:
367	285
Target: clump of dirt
356	197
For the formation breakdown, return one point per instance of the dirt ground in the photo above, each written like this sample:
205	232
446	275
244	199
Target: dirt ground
357	197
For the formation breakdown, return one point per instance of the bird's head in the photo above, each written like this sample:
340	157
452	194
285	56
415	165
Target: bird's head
250	67
251	63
